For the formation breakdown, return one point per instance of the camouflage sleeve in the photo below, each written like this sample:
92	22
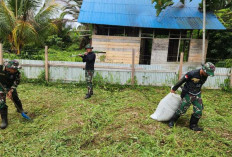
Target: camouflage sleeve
16	81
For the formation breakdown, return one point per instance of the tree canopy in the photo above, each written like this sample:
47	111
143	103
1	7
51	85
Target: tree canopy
26	21
211	5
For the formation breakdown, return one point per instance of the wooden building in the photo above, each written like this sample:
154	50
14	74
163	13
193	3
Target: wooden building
120	26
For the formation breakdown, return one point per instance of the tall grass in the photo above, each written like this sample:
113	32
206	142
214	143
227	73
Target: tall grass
114	122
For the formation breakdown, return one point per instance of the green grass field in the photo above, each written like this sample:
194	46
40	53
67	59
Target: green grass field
114	122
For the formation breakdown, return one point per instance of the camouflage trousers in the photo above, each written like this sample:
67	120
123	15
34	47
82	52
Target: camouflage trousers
189	99
88	79
14	97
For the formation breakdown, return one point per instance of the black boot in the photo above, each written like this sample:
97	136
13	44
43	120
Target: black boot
173	120
88	95
4	118
193	124
91	92
19	111
19	107
17	102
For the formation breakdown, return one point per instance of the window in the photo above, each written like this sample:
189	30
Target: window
174	33
161	33
116	31
176	46
147	32
132	31
101	30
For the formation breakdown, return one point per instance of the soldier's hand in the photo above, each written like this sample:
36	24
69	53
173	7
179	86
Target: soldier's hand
86	53
9	94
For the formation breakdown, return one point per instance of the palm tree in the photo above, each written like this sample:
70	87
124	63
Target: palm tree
72	8
26	21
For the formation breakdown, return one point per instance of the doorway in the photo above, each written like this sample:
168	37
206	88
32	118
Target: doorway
145	51
176	46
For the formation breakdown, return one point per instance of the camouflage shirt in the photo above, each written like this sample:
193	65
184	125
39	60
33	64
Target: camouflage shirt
8	80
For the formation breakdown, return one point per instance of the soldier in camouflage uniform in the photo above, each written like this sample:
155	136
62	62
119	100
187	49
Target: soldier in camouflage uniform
89	57
191	94
9	80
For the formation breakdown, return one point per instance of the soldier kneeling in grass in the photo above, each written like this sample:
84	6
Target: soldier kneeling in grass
89	57
191	93
9	80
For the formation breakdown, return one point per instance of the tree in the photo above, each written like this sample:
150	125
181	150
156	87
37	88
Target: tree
162	4
220	47
26	21
72	8
211	5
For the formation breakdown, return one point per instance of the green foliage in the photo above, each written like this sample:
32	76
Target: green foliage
71	8
226	86
219	47
102	58
53	55
29	23
162	4
225	16
227	63
211	5
111	123
54	41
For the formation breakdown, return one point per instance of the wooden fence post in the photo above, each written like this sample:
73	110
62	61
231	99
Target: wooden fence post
46	63
181	64
1	54
133	68
231	77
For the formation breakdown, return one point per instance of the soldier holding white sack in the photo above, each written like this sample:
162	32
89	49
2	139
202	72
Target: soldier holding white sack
191	94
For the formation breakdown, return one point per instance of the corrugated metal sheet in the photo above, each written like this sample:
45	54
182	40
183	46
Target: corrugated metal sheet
156	75
141	13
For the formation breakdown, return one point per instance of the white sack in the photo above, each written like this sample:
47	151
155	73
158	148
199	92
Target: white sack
167	107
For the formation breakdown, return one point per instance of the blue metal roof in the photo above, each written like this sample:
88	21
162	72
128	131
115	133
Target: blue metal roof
142	13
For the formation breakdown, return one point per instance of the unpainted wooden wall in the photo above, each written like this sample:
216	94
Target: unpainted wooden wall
118	49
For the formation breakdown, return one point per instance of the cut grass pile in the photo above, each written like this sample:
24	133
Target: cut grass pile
114	122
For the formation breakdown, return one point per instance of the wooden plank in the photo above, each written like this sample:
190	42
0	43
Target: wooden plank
123	57
46	64
115	37
120	59
128	49
181	65
120	53
231	77
112	44
115	40
133	68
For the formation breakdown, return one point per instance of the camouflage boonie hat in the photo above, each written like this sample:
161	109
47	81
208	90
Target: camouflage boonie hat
88	46
209	68
12	64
